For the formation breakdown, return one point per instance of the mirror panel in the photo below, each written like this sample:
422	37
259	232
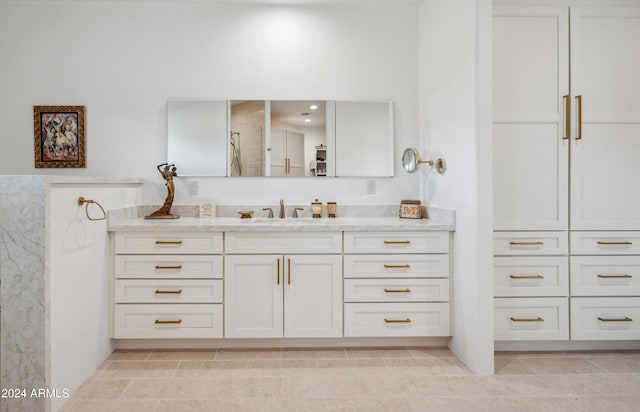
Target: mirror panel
197	137
278	138
281	138
364	139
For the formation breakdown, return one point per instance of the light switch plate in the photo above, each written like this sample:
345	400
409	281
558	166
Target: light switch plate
371	187
193	188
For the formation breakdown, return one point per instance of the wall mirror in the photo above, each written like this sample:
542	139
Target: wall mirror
294	138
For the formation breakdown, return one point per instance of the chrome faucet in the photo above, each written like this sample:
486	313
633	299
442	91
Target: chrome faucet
281	214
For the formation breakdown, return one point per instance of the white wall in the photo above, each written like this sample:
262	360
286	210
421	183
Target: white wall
123	60
80	282
455	123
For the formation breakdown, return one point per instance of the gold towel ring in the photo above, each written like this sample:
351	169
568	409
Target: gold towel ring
83	201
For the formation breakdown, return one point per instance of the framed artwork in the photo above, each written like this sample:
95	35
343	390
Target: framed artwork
59	139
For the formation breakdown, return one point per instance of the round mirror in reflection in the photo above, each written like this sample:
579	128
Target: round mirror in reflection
410	159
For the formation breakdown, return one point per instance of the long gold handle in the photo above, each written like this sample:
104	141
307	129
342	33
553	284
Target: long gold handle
567	117
278	271
397	266
625	319
526	243
625	276
615	243
288	271
397	290
538	319
397	242
169	267
579	102
168	322
168	292
526	276
168	242
397	320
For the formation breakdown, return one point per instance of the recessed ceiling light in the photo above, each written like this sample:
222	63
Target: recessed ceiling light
307	120
313	107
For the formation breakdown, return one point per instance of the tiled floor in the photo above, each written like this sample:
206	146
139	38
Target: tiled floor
359	380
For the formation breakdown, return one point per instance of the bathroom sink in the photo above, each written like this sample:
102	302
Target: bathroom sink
287	220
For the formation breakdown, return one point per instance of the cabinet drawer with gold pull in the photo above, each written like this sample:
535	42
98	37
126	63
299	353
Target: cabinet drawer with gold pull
605	318
605	275
168	291
530	243
168	266
396	266
531	318
168	242
396	319
140	321
529	276
396	290
605	243
396	242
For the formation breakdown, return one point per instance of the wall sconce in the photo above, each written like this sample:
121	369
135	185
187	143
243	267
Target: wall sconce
411	162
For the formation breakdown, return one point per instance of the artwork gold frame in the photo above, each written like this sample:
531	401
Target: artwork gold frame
59	137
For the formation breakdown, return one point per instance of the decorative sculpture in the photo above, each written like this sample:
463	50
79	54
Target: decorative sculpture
164	212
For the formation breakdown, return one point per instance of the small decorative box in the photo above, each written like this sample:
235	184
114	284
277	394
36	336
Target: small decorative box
410	209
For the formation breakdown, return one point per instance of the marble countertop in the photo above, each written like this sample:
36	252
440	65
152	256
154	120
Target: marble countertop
235	224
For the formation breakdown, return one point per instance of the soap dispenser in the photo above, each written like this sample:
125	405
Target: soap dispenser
316	209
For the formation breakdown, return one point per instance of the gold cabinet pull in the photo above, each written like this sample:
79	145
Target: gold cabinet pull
625	276
526	243
397	266
526	276
625	319
538	319
397	290
579	103
176	267
397	242
615	243
567	117
278	271
168	322
397	320
168	292
168	242
288	271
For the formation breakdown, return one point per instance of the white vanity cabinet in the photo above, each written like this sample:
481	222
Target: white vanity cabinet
283	284
167	285
396	284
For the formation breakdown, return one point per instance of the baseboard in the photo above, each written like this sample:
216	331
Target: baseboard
228	343
565	345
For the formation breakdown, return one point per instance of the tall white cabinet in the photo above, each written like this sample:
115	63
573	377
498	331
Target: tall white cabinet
605	153
566	150
287	153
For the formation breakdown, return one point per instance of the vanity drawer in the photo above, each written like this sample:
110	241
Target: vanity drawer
396	242
605	318
283	242
133	321
605	275
167	266
605	243
396	266
530	243
168	243
531	319
396	319
168	291
396	290
531	276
